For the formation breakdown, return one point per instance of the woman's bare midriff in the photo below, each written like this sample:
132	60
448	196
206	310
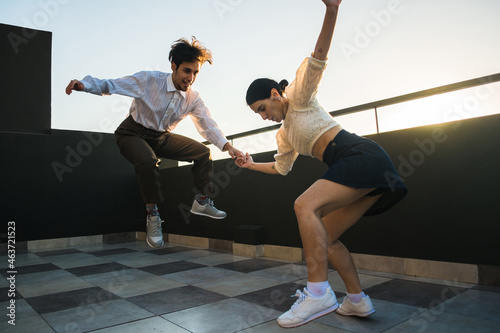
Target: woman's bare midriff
320	145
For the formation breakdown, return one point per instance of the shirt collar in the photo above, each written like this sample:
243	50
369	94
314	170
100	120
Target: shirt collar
171	87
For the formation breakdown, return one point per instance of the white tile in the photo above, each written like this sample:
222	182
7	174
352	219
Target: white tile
239	284
155	324
66	283
131	282
230	315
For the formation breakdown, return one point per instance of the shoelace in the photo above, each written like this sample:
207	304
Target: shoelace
155	226
300	298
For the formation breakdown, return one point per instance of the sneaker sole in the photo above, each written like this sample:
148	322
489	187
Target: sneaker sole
207	215
355	314
315	316
153	245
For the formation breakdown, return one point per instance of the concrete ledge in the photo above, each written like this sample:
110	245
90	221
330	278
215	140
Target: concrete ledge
379	263
467	273
45	244
442	270
119	237
283	252
188	240
247	250
220	244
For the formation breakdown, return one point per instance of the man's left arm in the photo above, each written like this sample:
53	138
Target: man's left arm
208	128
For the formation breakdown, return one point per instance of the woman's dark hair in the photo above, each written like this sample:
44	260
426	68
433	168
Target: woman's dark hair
185	51
261	89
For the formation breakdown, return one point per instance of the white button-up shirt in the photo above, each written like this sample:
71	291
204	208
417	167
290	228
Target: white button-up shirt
158	105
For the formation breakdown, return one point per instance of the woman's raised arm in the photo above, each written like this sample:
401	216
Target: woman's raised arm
326	34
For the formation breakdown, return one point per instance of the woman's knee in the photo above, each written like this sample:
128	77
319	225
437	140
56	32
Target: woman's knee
303	208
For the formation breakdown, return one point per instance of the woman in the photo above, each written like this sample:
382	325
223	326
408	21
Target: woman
355	184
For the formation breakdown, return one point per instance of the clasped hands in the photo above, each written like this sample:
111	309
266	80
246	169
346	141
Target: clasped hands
243	160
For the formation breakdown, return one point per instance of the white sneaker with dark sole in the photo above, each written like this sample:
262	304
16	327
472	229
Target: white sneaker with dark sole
207	209
307	308
362	309
154	234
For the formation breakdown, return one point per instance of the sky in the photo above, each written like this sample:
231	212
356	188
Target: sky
381	49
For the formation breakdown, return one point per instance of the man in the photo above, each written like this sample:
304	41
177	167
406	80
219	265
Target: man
161	101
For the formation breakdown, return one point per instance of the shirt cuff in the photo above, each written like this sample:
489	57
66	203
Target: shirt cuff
280	169
221	144
317	63
86	85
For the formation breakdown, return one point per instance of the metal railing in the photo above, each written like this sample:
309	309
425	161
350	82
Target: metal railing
385	102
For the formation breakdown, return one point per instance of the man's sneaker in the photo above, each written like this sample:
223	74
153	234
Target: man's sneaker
154	235
207	209
308	307
362	309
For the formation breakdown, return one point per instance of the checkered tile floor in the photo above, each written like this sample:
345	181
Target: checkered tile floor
130	287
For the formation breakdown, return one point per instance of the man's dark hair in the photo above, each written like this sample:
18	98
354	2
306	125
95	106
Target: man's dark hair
185	51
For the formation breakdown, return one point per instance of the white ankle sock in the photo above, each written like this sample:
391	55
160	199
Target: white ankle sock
317	289
356	298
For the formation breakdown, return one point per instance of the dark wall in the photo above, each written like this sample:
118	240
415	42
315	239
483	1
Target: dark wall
26	79
449	214
67	184
55	183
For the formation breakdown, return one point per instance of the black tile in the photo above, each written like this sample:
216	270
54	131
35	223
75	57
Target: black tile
279	297
70	299
218	251
97	269
7	293
419	294
176	299
170	250
37	268
172	267
492	289
251	265
31	269
109	252
57	252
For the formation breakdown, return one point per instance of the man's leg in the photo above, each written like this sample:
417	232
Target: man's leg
181	148
138	151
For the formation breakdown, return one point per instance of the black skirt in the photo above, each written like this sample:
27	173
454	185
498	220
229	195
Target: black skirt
361	163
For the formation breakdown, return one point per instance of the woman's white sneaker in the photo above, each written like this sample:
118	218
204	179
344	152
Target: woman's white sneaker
308	307
362	309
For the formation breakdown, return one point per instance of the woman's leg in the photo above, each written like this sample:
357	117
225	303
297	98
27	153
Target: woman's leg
336	223
318	201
